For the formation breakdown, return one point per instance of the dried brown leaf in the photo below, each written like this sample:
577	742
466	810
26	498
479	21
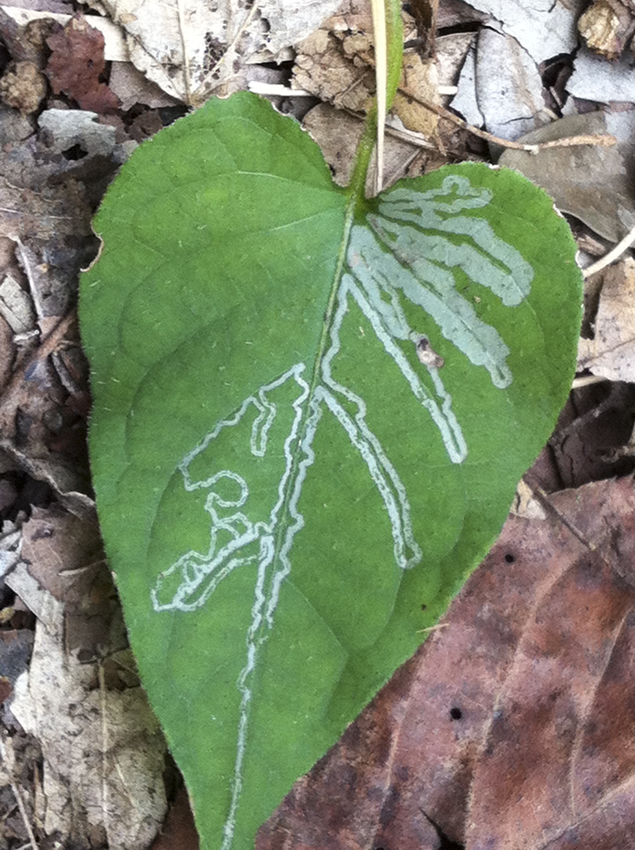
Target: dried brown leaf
511	728
590	182
100	741
336	64
178	832
76	65
338	134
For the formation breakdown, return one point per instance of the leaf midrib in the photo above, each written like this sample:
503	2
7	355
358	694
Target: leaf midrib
316	376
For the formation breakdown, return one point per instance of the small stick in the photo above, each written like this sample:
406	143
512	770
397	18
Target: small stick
586	381
23	813
184	48
543	498
613	254
605	140
35	295
49	344
104	744
276	90
409	136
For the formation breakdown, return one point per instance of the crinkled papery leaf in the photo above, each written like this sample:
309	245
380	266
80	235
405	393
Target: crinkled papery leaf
310	417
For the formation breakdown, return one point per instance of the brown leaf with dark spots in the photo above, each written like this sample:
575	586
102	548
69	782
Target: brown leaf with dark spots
76	65
511	729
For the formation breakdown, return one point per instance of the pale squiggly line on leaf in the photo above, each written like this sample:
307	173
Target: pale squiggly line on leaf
397	259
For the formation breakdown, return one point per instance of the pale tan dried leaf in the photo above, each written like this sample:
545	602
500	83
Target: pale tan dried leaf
190	49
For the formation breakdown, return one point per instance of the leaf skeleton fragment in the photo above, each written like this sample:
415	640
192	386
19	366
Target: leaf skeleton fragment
320	504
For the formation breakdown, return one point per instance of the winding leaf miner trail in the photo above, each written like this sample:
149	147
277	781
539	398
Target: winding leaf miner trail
406	258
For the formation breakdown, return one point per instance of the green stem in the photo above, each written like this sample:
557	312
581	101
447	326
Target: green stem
363	154
394	30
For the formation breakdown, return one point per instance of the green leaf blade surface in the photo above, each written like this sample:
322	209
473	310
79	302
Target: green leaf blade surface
308	427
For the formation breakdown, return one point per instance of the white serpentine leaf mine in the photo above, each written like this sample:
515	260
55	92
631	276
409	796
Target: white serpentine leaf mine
405	255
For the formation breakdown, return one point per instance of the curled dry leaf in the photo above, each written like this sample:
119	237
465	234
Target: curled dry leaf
590	439
506	87
544	30
596	79
511	729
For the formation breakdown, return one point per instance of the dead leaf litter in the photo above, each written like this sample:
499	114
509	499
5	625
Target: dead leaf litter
511	726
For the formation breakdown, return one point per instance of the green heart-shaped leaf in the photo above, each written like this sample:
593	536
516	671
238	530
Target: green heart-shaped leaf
311	412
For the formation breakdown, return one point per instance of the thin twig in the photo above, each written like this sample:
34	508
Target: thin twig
35	295
25	817
184	48
409	136
400	171
613	254
9	397
543	498
105	746
586	381
605	140
276	90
